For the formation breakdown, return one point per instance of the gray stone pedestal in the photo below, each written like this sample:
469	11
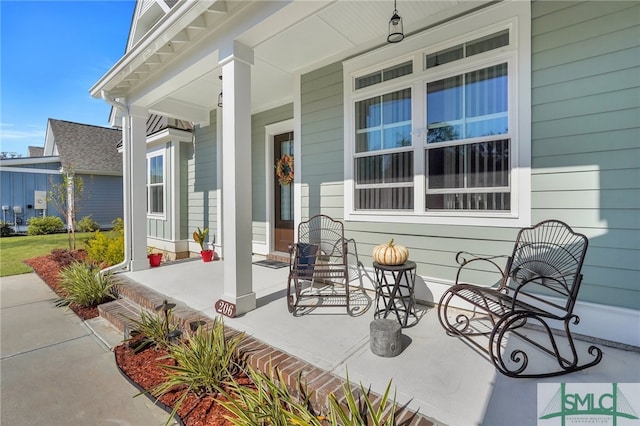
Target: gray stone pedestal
385	337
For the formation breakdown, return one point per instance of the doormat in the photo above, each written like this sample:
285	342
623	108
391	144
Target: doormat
273	264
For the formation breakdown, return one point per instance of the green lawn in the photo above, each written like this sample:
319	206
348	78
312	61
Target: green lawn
16	249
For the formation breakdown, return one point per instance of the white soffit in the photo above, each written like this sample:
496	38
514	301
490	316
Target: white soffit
303	44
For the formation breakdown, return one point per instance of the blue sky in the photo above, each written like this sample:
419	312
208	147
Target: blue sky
52	52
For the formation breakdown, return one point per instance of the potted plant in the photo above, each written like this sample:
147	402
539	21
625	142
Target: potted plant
154	258
200	237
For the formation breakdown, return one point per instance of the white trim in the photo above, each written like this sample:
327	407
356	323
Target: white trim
515	15
270	131
18	161
297	153
218	189
160	151
30	170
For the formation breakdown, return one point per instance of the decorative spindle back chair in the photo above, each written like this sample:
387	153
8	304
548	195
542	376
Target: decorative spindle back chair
318	267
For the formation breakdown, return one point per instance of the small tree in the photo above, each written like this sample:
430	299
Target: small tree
67	197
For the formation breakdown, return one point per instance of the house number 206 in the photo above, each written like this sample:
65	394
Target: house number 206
225	308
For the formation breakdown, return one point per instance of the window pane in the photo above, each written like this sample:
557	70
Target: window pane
496	201
444	105
384	199
387	168
486	95
384	122
445	56
368	113
488	164
369	141
156	170
490	42
477	165
397	106
157	200
368	80
398	71
445	166
396	137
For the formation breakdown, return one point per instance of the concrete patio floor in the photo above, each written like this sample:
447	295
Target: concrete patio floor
439	376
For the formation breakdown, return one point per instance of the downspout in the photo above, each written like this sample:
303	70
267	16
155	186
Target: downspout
126	172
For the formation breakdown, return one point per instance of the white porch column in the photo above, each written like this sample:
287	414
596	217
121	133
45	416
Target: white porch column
138	187
236	177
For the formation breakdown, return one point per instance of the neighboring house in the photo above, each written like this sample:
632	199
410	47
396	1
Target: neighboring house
88	151
488	117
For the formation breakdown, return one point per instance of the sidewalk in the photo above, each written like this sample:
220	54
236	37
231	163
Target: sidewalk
54	368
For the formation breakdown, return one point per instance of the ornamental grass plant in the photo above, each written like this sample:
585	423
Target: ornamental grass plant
151	329
205	362
267	402
85	286
358	408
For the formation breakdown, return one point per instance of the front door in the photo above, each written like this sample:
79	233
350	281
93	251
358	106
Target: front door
283	190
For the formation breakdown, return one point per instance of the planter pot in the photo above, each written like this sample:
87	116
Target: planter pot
155	259
207	255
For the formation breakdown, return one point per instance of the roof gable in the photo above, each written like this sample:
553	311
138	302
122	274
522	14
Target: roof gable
86	148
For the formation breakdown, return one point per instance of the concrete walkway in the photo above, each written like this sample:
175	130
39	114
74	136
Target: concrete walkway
55	370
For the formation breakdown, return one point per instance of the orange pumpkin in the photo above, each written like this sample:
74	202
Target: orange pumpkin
390	254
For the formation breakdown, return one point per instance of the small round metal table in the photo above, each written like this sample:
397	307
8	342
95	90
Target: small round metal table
395	286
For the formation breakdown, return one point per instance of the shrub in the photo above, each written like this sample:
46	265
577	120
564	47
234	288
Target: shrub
268	399
64	257
83	285
5	229
359	410
44	225
205	362
104	249
152	330
118	224
87	224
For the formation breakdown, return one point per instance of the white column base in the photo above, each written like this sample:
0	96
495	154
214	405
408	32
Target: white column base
244	303
138	265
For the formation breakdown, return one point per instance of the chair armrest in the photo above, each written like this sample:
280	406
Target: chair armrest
464	258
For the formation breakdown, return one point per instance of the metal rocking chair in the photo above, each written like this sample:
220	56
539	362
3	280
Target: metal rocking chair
318	267
538	287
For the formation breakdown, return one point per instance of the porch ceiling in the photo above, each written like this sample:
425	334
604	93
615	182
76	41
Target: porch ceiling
287	39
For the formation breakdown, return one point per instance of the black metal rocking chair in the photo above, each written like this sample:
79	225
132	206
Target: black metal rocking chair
538	287
318	267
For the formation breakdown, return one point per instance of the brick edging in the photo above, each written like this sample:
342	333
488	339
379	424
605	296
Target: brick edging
260	355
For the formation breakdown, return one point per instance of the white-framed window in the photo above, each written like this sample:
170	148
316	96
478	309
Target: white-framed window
155	184
440	132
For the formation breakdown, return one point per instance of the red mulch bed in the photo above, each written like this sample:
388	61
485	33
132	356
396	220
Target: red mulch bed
48	268
142	368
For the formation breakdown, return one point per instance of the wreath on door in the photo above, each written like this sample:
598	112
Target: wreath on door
284	170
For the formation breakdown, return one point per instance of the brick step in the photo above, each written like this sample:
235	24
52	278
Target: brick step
279	256
134	297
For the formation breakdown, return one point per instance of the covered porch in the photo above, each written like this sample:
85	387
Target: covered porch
436	375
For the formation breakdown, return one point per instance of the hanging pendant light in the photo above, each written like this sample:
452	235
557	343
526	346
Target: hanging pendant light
220	95
396	32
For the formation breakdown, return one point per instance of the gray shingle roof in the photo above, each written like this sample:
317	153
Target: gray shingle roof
87	148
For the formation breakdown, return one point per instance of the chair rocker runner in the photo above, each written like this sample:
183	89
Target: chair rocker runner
538	288
318	268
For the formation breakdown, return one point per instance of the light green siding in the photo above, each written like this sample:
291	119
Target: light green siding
322	142
258	164
585	152
202	181
586	137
